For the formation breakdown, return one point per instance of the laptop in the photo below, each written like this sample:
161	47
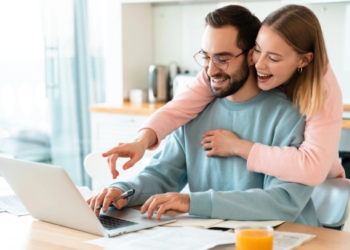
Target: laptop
49	195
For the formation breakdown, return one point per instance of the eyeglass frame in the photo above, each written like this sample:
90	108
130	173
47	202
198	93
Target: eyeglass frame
226	61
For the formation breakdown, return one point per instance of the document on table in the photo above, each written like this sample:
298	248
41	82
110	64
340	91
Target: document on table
85	192
185	220
160	238
288	241
12	204
281	241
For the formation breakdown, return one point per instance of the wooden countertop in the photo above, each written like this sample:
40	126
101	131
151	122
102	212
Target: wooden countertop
346	122
149	108
128	108
24	232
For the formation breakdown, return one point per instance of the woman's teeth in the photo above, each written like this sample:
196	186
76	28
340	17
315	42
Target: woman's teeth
262	76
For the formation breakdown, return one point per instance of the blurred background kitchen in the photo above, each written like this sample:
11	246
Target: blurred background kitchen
82	75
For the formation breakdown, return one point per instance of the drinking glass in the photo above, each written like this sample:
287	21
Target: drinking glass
254	238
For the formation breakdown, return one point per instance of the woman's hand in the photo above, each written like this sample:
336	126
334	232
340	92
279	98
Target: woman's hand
134	150
222	142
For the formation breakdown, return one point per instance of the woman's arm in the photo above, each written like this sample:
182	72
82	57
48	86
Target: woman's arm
316	158
183	108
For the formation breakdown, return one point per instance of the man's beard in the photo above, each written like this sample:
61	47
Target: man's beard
236	81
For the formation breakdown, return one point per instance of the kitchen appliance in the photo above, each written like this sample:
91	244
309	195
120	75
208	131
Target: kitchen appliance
158	83
181	82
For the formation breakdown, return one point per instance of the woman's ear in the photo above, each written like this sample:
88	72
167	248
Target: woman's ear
306	59
250	57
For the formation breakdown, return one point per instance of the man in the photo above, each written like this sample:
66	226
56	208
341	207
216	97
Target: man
223	187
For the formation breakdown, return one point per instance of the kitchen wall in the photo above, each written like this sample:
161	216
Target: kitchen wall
165	33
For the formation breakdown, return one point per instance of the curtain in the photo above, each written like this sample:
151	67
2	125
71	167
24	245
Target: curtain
72	75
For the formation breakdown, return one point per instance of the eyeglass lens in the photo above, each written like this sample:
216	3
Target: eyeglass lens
203	61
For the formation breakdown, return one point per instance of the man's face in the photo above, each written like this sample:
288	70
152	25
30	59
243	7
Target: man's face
222	42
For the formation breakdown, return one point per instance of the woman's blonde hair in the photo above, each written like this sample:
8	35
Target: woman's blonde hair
300	28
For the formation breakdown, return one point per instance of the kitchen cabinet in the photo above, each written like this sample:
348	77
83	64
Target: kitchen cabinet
165	31
113	124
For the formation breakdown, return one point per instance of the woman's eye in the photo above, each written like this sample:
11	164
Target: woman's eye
257	50
274	60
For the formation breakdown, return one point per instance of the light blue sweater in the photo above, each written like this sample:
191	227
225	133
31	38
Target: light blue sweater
222	187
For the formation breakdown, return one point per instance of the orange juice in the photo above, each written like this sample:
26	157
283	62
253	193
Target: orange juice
254	239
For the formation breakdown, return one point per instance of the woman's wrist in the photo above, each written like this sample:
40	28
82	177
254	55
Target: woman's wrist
146	137
243	148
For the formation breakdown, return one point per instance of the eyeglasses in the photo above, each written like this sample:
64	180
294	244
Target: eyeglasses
220	61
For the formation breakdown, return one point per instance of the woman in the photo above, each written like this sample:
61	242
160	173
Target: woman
286	34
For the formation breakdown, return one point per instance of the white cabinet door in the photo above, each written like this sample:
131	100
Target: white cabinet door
108	130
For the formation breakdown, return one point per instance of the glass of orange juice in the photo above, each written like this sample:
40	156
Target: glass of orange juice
254	237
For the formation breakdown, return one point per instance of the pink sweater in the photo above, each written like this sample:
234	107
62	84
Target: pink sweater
316	158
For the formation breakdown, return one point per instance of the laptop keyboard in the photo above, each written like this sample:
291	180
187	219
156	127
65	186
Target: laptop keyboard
113	223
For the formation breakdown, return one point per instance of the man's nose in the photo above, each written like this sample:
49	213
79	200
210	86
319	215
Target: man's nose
212	69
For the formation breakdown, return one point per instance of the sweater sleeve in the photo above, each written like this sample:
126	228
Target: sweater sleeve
277	201
183	108
166	172
317	157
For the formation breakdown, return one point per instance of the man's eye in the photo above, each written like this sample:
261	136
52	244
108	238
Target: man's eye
222	59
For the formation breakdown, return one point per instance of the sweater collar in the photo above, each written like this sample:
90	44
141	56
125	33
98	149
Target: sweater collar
237	106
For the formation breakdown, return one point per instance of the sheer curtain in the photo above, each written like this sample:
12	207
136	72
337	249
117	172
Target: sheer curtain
72	75
23	105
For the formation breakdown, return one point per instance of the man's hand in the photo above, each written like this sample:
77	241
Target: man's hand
169	201
105	199
133	150
221	142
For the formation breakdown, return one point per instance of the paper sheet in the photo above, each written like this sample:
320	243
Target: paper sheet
281	241
186	220
193	221
9	202
236	223
5	188
160	238
85	192
13	205
288	241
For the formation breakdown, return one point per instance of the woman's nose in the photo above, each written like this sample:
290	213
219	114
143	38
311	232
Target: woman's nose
260	63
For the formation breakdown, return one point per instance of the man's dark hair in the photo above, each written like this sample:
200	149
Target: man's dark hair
239	17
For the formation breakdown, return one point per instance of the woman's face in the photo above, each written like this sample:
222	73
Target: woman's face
275	60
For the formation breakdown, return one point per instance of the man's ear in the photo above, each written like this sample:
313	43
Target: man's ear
306	59
250	57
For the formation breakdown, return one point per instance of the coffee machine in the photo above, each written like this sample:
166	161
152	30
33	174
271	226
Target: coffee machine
158	83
